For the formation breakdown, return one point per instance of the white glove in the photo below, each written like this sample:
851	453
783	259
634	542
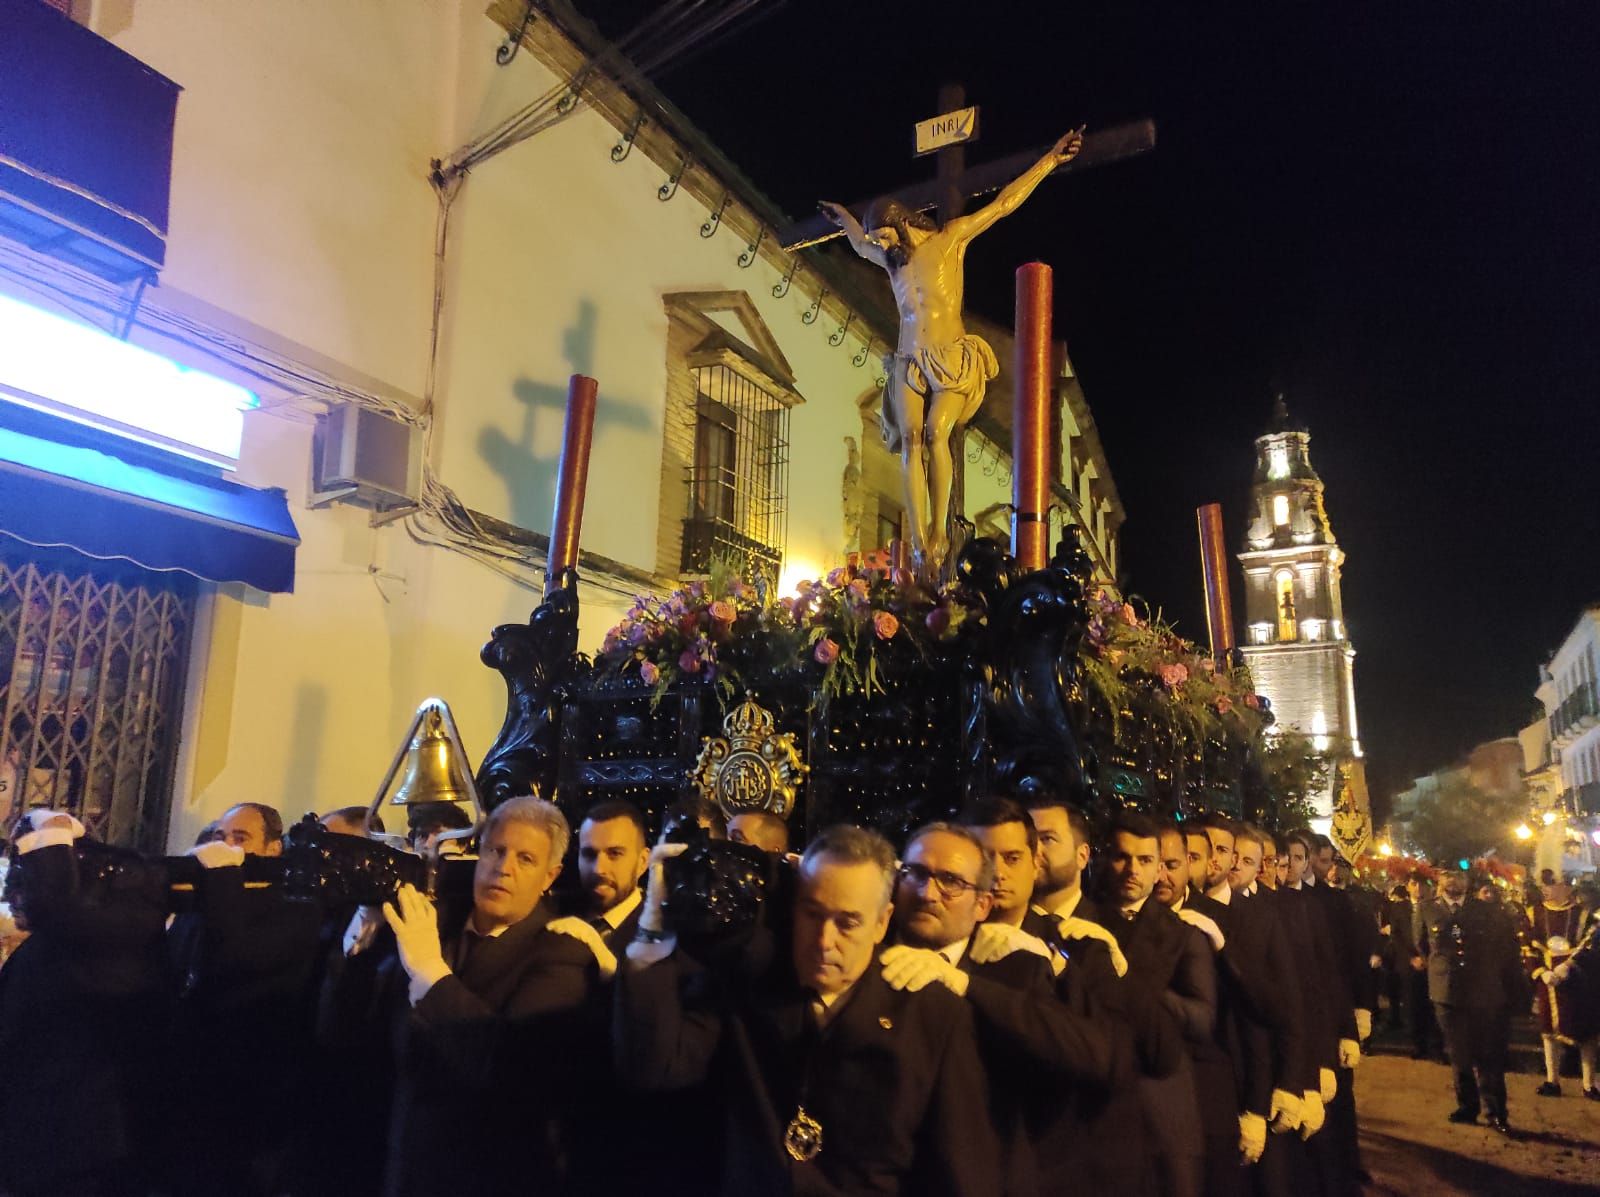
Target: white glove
1349	1053
1312	1113
364	924
217	855
656	894
995	941
1327	1085
1284	1112
917	968
415	924
581	931
1363	1025
42	827
1076	928
1205	926
1252	1136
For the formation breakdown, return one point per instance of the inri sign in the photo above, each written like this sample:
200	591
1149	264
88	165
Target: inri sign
949	129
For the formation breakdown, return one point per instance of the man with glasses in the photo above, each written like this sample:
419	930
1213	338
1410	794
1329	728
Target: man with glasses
829	1078
1050	1053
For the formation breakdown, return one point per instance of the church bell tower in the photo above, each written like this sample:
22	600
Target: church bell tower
1296	643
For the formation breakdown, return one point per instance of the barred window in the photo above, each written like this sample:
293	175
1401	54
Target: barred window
92	662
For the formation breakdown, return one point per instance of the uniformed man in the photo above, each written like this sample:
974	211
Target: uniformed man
1474	976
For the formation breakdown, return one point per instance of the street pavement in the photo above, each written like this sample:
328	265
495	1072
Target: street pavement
1409	1148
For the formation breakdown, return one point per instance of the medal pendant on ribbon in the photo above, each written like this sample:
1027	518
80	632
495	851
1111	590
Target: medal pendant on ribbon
803	1139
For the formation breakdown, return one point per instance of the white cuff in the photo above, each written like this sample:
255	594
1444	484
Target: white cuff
426	980
642	953
50	837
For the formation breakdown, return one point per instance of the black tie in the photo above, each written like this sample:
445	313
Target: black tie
598	922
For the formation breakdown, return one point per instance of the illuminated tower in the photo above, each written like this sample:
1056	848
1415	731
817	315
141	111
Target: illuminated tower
1296	644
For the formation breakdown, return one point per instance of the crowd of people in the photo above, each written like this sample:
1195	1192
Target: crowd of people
1000	1005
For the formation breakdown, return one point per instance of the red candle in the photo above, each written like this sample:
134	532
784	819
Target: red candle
1032	378
572	478
1214	573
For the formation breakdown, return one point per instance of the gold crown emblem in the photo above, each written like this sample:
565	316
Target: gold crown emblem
755	767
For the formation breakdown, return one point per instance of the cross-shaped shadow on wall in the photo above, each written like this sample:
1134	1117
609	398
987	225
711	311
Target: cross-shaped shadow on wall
527	462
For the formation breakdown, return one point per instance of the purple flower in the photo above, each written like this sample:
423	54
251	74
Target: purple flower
649	672
689	661
826	652
938	621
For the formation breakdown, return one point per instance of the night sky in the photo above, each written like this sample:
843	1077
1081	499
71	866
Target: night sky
1389	211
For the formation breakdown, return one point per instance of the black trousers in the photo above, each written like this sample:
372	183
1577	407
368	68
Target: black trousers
1478	1039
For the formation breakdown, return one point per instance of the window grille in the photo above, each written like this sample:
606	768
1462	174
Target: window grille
92	663
738	483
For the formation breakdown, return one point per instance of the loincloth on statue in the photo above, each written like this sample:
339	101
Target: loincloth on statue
962	367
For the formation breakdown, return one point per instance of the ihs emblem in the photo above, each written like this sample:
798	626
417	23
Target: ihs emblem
755	768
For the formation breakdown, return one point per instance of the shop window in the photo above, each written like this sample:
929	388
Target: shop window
92	663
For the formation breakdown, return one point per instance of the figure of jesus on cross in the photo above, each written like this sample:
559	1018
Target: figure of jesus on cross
938	372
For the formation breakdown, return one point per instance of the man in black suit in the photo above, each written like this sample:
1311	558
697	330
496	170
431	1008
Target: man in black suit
613	851
1046	1049
82	1000
829	1079
492	1020
1064	844
1170	962
1099	1140
760	828
1474	979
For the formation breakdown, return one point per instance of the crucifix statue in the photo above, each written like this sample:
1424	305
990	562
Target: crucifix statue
938	372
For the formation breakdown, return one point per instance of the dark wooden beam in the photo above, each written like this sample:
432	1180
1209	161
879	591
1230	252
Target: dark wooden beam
1108	145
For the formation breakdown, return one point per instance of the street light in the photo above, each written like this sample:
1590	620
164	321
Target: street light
1549	817
1523	832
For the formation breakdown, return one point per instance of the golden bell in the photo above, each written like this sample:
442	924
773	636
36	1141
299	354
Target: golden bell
434	770
435	763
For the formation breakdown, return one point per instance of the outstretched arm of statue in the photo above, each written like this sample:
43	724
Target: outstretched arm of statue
1020	188
857	236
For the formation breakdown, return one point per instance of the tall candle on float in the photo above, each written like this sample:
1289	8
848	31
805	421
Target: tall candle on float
1214	575
572	479
1032	377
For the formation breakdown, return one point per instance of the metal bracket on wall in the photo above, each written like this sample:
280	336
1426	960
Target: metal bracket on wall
714	221
782	289
750	251
624	145
837	336
670	188
508	48
860	359
811	313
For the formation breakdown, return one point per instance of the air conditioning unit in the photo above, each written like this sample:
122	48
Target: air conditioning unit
363	456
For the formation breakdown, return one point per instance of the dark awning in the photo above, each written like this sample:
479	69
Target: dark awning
65	495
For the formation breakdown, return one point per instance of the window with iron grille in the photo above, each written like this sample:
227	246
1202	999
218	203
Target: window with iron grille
92	662
738	482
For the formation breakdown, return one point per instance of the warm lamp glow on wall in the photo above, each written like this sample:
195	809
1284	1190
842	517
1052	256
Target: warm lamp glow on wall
1523	832
794	572
56	365
1549	817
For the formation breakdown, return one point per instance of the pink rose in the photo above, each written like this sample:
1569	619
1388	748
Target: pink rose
722	611
826	652
1224	704
858	589
1251	701
1174	676
689	661
938	621
1129	615
649	673
885	624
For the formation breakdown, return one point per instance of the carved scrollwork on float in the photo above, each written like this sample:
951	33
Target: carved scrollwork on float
630	773
539	661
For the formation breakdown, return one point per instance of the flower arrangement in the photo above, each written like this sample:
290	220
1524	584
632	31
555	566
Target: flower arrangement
1127	659
725	631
